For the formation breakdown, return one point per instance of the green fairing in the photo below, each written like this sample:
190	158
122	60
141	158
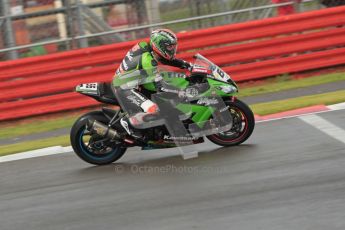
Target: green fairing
201	113
214	89
170	78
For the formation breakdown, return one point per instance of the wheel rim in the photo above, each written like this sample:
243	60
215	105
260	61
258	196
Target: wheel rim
238	129
94	149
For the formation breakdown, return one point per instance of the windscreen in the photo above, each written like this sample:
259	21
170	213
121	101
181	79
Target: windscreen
217	73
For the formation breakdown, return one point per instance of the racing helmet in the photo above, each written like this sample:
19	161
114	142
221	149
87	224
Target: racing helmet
164	43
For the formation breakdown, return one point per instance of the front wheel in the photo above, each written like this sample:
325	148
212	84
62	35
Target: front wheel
91	147
242	128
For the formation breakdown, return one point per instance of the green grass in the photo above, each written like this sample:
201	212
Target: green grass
36	127
298	102
31	145
285	84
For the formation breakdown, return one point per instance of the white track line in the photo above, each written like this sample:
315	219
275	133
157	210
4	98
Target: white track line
325	126
292	116
337	106
36	153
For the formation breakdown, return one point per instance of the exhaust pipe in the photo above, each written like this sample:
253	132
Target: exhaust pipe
102	130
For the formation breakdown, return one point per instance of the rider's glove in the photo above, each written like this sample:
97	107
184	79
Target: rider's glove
187	65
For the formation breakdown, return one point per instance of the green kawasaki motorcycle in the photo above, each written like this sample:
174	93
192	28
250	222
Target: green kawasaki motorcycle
208	108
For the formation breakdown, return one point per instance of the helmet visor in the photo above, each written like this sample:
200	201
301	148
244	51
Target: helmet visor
171	49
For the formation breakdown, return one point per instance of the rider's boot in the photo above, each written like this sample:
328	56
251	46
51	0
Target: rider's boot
140	120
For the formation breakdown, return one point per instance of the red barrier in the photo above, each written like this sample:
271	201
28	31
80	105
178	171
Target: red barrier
241	53
262	48
60	82
273	67
190	40
44	105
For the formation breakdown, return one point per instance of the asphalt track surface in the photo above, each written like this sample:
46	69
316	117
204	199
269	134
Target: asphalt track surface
288	175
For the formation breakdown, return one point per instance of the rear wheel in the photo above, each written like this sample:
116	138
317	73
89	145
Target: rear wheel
243	125
93	148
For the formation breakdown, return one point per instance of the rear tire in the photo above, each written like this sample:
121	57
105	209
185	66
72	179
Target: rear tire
84	151
243	125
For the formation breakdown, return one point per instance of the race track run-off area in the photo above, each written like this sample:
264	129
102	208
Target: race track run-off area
289	175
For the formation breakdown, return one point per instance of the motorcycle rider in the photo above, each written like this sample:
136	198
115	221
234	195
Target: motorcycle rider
145	57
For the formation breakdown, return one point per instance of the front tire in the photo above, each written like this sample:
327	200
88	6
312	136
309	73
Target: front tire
243	125
93	153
